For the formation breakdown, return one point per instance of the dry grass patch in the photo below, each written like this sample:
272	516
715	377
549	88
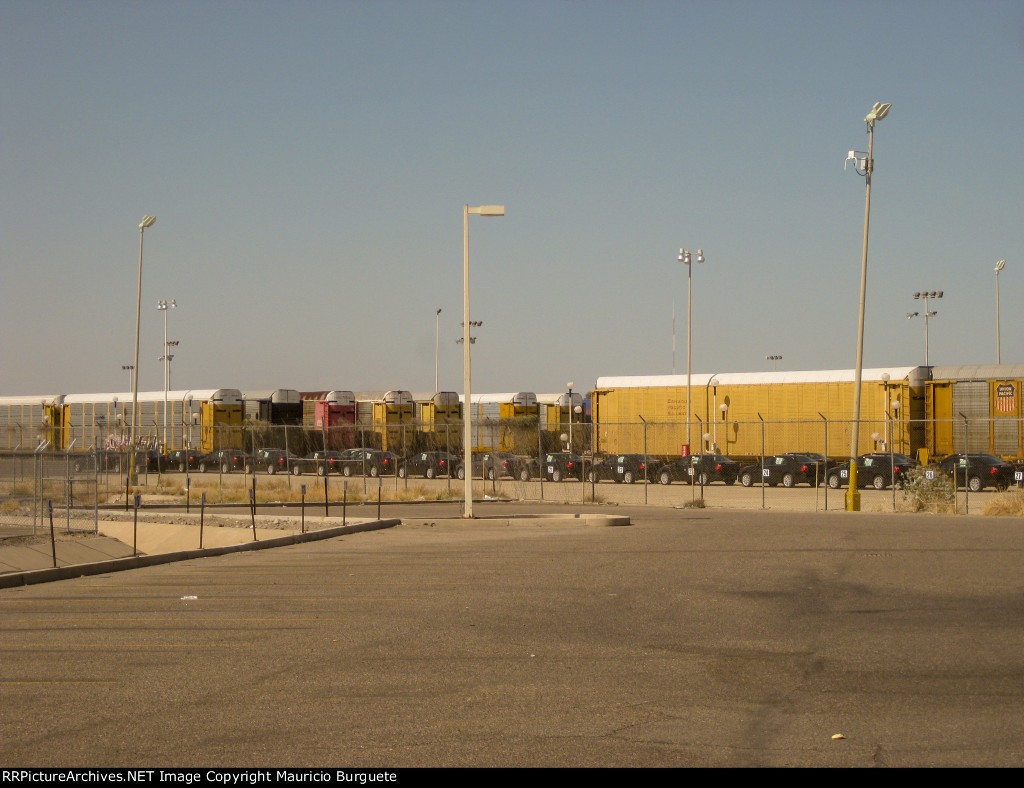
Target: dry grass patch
1009	503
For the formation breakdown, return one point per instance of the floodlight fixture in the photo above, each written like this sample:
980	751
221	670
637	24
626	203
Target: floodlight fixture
878	112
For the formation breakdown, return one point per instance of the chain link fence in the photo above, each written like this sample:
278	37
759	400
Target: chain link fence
37	488
514	458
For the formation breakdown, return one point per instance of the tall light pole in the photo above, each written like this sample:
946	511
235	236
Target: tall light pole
775	362
999	267
878	112
130	369
147	221
685	259
437	339
569	385
926	315
467	437
164	306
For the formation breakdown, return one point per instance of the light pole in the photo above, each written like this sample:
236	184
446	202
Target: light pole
130	369
878	112
685	259
147	221
164	306
437	339
467	449
999	267
775	362
569	385
925	315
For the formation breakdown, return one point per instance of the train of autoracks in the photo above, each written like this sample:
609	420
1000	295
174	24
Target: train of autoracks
923	412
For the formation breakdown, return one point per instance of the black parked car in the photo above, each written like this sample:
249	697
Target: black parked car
496	464
368	462
604	470
785	469
982	470
112	460
700	469
272	461
561	465
430	464
183	459
225	460
626	468
319	462
877	470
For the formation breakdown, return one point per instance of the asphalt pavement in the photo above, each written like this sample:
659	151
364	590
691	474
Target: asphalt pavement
687	638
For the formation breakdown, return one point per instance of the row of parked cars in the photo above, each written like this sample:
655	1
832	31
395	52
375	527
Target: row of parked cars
976	471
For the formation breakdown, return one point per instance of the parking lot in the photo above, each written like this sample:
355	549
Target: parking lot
689	638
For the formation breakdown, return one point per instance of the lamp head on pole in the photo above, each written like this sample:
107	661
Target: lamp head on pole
147	221
487	210
1000	265
685	257
878	112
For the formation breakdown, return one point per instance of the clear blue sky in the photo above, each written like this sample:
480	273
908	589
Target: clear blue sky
309	161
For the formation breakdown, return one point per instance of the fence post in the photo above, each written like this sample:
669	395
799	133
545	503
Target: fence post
825	469
967	471
53	541
644	422
762	460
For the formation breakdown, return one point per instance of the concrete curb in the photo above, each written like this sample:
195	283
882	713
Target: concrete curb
583	519
15	579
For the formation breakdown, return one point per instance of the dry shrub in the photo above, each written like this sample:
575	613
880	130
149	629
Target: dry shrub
1009	503
921	494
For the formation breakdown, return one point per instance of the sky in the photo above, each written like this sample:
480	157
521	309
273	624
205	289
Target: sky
309	162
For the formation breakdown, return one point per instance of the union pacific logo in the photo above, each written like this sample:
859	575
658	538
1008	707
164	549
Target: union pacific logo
1006	397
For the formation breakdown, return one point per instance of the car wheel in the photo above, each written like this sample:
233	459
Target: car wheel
461	474
878	482
556	475
271	470
524	474
627	477
402	472
705	480
747	480
181	467
491	475
975	484
202	467
374	471
429	473
225	468
665	477
833	482
321	471
787	480
296	470
591	478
